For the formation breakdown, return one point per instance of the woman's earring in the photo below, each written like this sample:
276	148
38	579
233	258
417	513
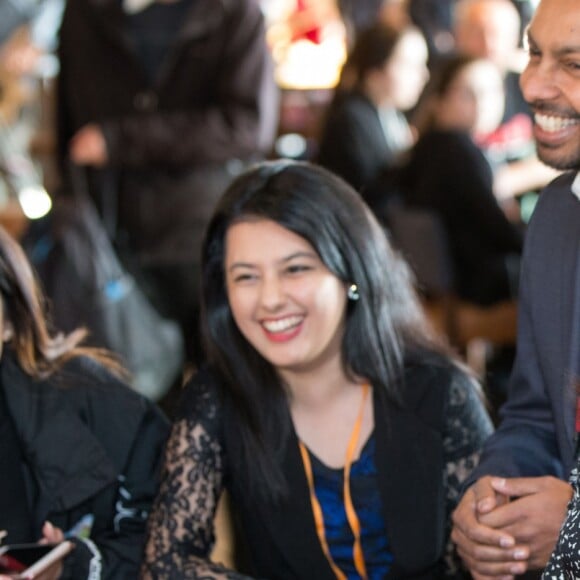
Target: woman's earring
352	292
7	332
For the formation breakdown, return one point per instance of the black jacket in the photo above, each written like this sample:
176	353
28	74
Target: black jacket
410	457
90	445
172	141
447	173
354	143
424	449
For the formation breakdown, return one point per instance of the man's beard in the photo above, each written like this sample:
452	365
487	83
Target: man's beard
558	161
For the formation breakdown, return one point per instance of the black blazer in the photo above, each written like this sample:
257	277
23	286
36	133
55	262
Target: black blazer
90	445
353	143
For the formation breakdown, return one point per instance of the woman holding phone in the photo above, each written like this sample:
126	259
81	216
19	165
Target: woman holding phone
78	448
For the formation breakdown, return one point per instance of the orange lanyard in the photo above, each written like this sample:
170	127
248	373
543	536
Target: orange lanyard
354	522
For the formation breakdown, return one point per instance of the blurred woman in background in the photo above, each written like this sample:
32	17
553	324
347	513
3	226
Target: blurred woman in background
366	129
449	174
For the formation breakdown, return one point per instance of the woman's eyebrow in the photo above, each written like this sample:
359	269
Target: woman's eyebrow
289	258
300	254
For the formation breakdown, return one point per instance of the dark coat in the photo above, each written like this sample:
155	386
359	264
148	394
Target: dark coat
173	143
448	174
537	432
354	144
90	445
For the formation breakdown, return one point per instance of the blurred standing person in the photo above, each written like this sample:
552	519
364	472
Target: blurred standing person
491	29
366	129
508	520
165	101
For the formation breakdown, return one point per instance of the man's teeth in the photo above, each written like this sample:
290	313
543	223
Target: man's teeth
553	124
282	324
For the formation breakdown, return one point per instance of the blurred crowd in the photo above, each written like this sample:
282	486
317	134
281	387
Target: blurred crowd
346	135
135	94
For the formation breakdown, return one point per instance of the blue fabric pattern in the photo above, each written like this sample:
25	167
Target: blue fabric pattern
328	484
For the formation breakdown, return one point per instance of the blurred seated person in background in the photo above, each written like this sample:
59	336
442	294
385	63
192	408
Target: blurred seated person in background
79	450
366	130
448	173
491	29
342	431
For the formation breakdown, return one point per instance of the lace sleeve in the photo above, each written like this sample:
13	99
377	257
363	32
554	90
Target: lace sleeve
467	427
180	531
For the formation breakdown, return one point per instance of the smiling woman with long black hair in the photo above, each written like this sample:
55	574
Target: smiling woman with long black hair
340	428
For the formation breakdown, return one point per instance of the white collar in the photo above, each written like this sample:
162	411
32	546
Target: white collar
576	186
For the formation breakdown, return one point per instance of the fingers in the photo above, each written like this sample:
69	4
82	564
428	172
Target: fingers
51	534
469	513
486	496
521	486
473	538
491	561
486	551
538	505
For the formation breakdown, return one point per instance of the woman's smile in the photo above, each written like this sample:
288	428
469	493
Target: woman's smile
282	329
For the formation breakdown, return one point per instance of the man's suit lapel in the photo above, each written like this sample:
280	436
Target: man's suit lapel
568	256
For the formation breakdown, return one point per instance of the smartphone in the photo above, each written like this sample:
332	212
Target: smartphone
26	561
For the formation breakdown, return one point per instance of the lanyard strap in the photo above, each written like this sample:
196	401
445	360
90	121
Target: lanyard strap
351	515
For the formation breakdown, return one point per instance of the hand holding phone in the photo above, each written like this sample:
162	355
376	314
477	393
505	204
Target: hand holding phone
33	561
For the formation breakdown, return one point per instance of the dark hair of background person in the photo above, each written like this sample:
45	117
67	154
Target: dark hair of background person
24	320
380	327
437	87
372	49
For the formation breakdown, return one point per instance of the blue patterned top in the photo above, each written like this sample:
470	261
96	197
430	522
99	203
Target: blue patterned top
328	484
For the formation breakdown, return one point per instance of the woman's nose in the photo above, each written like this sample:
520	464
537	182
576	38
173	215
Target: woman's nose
272	292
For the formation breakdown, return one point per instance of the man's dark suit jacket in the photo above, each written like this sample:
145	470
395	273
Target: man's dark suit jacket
537	436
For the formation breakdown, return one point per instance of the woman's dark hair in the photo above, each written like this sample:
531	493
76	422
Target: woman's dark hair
324	210
438	87
373	47
23	319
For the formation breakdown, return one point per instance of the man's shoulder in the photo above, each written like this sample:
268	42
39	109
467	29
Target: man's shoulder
555	200
559	188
